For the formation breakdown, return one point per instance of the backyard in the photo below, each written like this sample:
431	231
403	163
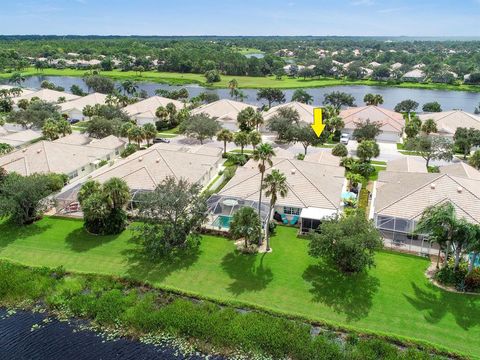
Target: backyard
394	298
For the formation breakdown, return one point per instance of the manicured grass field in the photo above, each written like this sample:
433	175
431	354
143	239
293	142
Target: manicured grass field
243	81
394	298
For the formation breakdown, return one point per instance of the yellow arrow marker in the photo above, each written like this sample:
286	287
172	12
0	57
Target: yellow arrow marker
318	126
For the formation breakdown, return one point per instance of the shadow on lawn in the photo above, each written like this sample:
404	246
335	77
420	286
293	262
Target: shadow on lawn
350	294
9	231
438	303
247	274
140	266
80	240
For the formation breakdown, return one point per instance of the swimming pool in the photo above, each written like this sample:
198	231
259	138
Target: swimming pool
222	221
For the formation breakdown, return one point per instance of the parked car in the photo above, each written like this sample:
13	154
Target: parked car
161	140
344	139
73	121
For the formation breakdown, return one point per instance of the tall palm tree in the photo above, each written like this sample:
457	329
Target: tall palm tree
161	113
50	129
225	135
233	85
64	127
263	154
150	132
254	138
257	120
275	185
16	78
125	130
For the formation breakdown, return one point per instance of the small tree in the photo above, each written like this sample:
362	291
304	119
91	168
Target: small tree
432	107
212	76
306	136
367	150
254	138
475	160
340	150
246	119
431	148
137	134
367	130
347	242
104	206
429	126
246	225
171	217
465	139
407	107
338	99
226	136
241	139
271	95
200	127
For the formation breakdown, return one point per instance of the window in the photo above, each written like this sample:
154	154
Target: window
73	175
291	210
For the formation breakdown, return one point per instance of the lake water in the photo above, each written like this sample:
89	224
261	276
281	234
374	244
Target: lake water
448	99
58	340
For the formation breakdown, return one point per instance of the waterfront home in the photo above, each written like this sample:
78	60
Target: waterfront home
392	123
225	111
48	95
63	158
74	108
144	111
415	75
23	90
448	121
305	111
314	193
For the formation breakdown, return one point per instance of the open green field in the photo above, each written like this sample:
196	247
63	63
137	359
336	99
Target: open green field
243	81
394	298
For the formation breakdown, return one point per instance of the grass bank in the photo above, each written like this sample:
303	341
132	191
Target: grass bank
395	298
245	82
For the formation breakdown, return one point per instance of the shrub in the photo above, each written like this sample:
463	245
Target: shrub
340	150
448	276
300	156
472	280
129	150
237	159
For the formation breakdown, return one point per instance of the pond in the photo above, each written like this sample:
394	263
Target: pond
448	99
27	335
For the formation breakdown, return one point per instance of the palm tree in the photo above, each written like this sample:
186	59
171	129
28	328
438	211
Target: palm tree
257	120
225	135
16	78
254	138
429	126
50	129
263	154
64	127
150	132
128	87
136	134
275	185
116	192
241	139
125	130
161	113
233	85
246	225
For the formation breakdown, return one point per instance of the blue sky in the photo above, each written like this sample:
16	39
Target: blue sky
242	17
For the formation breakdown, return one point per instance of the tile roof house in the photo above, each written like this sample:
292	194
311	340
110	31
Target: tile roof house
392	122
145	169
448	121
20	138
407	164
47	95
224	110
399	199
24	90
74	108
144	111
55	157
314	192
323	157
304	111
415	75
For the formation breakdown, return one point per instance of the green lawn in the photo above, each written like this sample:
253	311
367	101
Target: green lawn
243	81
393	298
